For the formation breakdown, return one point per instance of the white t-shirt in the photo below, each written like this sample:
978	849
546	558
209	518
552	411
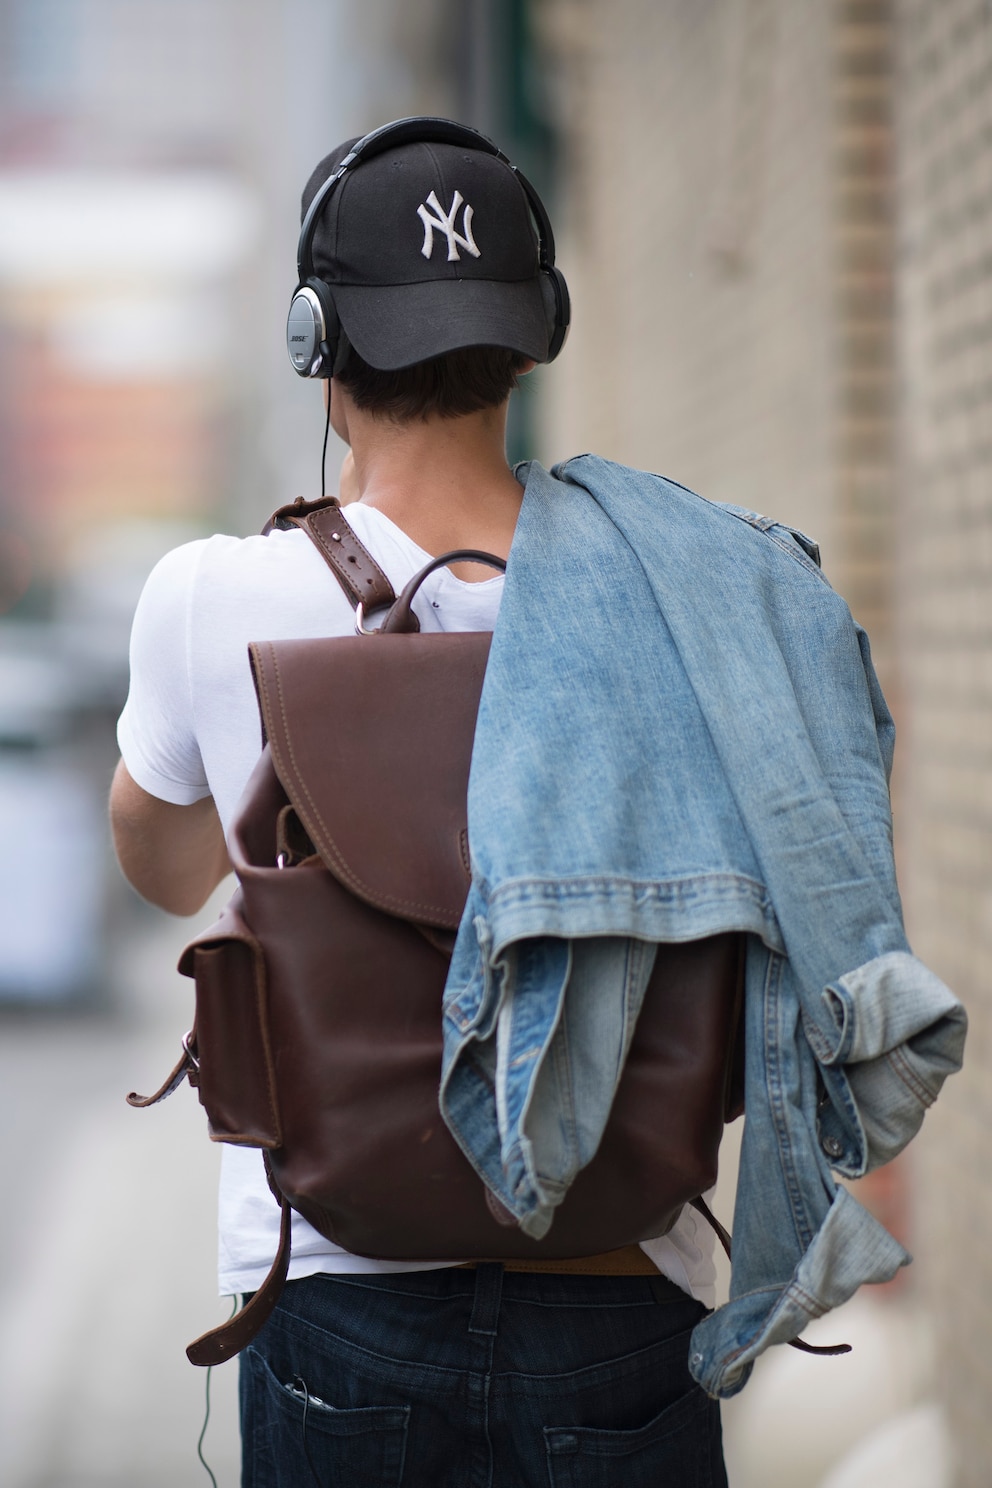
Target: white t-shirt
190	728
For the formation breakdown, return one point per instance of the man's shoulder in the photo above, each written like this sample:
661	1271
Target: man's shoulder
665	500
225	558
217	589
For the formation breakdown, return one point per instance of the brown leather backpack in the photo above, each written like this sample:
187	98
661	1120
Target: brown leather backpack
318	991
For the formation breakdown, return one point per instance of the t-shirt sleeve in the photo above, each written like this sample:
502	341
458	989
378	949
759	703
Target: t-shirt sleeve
156	732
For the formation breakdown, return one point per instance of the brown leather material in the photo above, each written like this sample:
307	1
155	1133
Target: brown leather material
725	1239
184	1069
735	1077
355	1036
354	567
319	991
630	1260
722	1233
289	515
401	619
829	1349
389	822
237	1085
229	1338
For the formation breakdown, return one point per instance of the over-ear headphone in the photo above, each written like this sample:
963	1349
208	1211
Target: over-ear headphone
313	331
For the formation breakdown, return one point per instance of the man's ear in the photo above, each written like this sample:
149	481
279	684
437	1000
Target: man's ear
528	366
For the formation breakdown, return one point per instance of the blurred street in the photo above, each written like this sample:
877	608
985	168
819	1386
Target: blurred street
107	1255
107	1260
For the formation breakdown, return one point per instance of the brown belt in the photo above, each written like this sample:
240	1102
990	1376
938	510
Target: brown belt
629	1261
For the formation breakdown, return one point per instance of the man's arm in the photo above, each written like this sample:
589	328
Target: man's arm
175	856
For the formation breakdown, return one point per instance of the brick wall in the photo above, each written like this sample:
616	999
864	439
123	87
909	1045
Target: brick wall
728	234
863	232
778	227
945	645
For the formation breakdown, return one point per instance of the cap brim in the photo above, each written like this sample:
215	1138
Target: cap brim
396	325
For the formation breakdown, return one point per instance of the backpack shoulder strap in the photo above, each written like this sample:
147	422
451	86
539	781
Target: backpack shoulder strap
350	561
229	1338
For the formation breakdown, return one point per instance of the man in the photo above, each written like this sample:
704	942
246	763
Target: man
382	1372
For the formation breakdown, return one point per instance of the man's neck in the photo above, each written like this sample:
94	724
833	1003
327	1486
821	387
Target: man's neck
445	482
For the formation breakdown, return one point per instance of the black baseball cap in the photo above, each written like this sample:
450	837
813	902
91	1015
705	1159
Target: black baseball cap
427	247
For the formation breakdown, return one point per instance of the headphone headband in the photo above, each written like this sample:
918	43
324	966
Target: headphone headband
427	130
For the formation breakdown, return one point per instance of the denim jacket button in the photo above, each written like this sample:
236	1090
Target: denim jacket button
833	1146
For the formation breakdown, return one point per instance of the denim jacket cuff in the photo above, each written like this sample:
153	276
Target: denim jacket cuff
892	1035
849	1249
881	1005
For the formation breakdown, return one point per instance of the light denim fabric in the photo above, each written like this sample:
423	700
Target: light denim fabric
681	733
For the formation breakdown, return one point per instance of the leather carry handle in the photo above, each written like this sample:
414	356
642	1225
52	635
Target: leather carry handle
361	578
401	620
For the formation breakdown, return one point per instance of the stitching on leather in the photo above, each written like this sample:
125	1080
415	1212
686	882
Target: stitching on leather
244	940
382	900
342	574
334	556
273	745
261	1009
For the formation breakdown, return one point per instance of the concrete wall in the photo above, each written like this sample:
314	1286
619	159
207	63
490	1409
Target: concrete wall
697	238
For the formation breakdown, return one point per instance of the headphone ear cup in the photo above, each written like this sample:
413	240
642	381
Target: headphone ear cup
328	347
304	328
557	309
312	330
342	353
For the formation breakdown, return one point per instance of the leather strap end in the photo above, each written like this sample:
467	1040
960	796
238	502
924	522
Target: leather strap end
185	1068
724	1237
722	1234
290	514
223	1342
822	1348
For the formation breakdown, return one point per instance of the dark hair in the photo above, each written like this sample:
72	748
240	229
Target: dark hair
455	383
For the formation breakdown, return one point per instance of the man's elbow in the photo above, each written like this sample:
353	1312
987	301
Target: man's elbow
181	902
173	856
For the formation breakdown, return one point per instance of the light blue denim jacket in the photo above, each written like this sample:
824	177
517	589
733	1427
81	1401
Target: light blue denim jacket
681	733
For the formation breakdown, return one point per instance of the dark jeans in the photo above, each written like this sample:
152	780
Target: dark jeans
478	1379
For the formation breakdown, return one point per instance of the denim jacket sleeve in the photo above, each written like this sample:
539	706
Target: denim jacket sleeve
681	732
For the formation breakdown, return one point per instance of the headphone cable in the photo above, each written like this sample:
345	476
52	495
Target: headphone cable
323	455
206	1418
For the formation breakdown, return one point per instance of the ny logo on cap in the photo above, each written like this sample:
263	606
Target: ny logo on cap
444	221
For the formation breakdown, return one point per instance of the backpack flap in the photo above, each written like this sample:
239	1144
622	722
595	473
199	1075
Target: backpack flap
391	824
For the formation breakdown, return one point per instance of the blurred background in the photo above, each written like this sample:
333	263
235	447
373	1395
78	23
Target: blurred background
776	221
